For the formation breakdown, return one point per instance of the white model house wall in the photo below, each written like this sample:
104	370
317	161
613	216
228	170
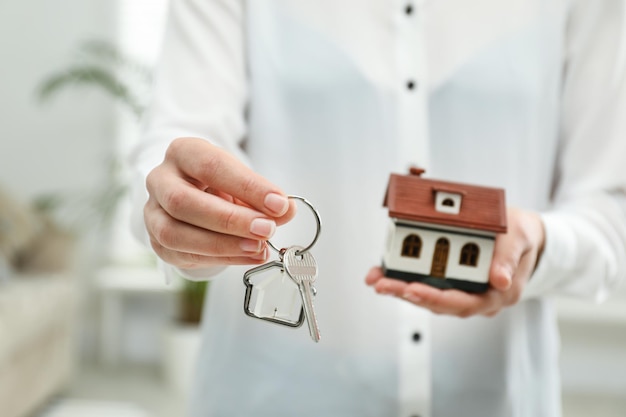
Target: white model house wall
429	234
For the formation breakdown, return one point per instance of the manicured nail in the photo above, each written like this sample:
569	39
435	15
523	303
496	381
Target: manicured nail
261	256
263	227
250	245
412	298
276	203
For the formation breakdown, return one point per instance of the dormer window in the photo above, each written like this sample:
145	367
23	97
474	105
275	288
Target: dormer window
448	202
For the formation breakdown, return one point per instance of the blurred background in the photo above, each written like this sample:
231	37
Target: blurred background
87	325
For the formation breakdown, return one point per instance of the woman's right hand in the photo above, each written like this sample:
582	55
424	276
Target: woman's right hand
206	208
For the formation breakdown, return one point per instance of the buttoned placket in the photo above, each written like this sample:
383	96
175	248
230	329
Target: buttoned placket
411	83
413	331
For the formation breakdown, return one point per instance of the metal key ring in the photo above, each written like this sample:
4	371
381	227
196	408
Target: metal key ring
318	220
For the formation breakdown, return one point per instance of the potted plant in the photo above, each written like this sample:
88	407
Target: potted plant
102	66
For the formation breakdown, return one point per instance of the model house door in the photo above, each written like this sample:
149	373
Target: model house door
440	258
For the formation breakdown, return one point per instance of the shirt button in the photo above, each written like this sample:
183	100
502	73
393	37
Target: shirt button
416	337
410	84
408	9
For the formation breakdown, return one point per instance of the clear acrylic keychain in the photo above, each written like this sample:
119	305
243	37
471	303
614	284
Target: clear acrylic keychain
281	291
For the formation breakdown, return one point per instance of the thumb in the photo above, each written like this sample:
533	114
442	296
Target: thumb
500	275
525	236
507	253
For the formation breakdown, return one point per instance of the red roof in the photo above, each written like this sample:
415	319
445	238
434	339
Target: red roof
411	197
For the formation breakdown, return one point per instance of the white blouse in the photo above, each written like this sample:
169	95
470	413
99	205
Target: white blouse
332	96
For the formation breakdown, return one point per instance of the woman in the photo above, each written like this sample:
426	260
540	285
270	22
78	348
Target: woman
328	98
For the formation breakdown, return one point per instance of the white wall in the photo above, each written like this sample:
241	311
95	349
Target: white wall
140	30
61	145
593	351
64	144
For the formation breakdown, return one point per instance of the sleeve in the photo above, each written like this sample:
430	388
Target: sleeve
200	90
585	247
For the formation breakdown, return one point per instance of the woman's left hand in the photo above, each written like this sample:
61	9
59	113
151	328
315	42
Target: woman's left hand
515	256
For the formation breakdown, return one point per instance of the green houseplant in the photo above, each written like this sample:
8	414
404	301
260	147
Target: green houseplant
101	65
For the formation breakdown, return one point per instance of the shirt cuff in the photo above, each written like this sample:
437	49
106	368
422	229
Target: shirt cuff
172	272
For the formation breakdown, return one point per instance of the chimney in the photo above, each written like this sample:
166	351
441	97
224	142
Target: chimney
416	171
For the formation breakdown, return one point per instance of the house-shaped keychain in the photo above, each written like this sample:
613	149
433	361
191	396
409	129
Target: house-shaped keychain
442	233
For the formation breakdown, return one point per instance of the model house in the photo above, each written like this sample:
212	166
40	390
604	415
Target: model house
442	233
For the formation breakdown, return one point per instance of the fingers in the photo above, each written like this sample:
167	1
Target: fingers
214	167
374	275
204	199
291	212
188	246
186	203
523	240
451	302
507	252
192	260
515	257
206	208
174	234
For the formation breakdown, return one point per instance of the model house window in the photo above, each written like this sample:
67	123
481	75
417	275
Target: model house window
469	254
412	246
448	202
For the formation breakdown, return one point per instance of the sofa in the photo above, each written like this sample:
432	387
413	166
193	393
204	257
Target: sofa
38	303
37	324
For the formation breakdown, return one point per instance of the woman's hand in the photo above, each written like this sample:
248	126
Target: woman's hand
206	208
516	254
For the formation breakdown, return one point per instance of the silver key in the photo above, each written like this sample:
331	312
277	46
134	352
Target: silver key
302	268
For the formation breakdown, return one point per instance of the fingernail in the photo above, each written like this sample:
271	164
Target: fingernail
276	203
260	256
250	245
263	227
412	298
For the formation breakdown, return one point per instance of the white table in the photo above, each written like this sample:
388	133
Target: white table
116	284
